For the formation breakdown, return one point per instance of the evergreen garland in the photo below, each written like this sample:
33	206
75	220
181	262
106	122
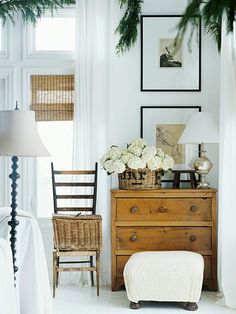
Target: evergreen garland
211	12
31	10
127	28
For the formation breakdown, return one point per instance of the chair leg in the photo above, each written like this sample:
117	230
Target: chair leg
98	271
54	273
91	273
57	273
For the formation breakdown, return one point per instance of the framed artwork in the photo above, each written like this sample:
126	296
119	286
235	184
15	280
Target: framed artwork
163	126
168	64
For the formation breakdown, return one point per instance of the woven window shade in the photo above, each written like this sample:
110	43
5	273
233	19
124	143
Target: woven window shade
52	97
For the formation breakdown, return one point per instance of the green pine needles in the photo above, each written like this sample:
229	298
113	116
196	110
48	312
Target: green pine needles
127	28
31	10
211	12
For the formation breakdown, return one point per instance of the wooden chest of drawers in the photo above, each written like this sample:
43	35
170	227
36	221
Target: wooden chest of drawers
164	219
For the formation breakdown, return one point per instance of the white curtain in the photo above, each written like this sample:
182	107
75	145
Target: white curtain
92	97
227	190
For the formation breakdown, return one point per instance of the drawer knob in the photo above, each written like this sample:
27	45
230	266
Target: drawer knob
134	209
193	238
193	208
133	238
162	209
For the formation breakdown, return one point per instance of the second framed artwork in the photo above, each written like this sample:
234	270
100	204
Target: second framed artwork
168	64
163	126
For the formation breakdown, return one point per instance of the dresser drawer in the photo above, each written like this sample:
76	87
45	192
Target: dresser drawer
164	209
163	238
121	260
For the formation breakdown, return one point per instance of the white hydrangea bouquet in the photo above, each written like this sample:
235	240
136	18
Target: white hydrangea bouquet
137	163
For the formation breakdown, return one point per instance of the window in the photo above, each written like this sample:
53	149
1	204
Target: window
57	136
60	34
52	99
51	35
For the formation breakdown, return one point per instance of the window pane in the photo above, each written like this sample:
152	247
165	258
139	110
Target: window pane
57	33
58	138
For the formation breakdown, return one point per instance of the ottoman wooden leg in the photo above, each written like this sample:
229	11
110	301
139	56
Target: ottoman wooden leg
190	306
135	306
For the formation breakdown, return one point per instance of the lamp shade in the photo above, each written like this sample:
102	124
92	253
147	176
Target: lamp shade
19	135
201	128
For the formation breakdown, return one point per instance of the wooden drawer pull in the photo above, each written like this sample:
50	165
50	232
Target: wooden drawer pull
193	238
193	208
162	209
133	209
133	238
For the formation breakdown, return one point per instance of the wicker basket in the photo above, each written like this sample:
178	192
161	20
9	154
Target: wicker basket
140	179
77	233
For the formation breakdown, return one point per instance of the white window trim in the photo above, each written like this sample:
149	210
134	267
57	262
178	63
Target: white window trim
4	52
8	75
29	50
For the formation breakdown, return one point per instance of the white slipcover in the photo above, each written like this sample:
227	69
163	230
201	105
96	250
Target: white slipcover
164	276
33	295
8	303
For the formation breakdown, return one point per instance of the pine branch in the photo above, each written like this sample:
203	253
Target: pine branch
212	13
127	28
30	10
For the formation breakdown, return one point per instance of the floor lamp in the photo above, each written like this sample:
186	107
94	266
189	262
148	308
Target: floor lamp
18	138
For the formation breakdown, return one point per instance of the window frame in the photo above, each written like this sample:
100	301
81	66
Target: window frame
29	49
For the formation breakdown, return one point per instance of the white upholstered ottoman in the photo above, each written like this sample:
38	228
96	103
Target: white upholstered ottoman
174	276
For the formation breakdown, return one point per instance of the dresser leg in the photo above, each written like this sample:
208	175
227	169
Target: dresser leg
190	306
134	306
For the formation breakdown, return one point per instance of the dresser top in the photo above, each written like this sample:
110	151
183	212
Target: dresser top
166	192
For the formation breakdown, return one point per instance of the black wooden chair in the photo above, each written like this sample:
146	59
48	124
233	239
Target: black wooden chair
81	191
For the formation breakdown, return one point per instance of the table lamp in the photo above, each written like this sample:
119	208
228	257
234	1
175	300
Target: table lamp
201	128
18	138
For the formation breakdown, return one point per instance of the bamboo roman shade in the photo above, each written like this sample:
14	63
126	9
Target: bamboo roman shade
52	97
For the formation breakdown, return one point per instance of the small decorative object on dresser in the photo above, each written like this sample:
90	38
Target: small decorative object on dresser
164	220
138	166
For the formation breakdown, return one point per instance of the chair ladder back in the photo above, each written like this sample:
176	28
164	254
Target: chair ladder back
92	196
54	189
95	188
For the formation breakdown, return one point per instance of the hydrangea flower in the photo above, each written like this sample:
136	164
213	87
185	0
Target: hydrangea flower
140	142
155	163
168	163
136	163
134	149
137	155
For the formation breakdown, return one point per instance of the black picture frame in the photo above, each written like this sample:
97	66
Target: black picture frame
151	116
153	76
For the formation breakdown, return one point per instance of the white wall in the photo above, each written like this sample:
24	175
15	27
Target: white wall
125	95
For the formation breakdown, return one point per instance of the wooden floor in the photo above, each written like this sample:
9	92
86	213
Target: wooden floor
83	299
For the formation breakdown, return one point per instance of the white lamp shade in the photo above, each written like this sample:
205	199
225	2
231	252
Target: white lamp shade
19	135
201	128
